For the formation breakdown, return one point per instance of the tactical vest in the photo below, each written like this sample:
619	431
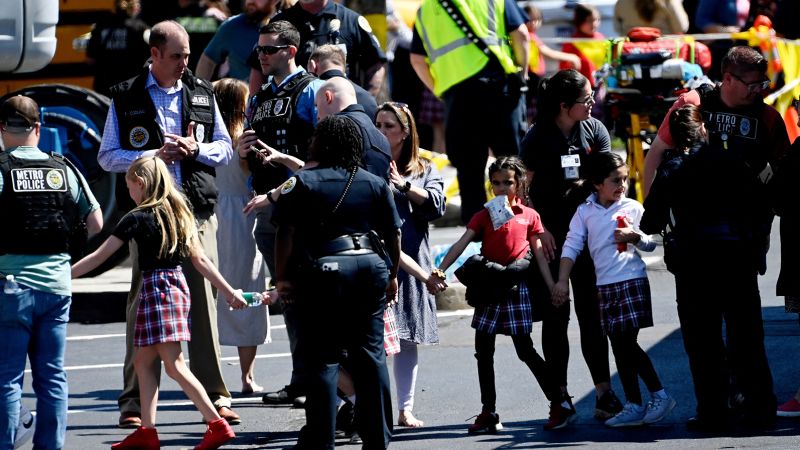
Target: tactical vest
38	211
139	131
275	122
740	130
731	204
452	56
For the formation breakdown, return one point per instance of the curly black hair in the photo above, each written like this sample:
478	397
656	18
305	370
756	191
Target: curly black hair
337	143
520	173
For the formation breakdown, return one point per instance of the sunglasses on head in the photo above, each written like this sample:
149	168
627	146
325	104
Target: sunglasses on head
270	49
398	105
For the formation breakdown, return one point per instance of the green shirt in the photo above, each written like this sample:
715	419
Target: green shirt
47	273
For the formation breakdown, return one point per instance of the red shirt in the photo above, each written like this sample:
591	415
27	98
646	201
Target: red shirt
511	241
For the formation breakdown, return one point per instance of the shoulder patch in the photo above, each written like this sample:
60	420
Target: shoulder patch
288	185
364	24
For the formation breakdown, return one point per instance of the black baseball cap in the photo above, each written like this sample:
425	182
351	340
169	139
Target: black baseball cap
19	114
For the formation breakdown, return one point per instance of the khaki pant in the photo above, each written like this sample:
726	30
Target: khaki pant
204	354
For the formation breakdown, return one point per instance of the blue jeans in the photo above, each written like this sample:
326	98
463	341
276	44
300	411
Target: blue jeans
34	323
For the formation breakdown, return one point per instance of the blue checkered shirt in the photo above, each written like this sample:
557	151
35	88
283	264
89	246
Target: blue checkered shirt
168	103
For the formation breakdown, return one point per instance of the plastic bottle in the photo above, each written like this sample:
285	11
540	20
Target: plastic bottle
11	286
621	246
253	299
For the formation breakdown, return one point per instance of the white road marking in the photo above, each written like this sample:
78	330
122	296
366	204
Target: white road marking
118	365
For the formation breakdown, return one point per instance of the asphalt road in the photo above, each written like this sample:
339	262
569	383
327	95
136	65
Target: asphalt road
447	388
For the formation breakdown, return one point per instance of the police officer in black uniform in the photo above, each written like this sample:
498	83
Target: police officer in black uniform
337	96
720	199
42	199
326	22
331	262
282	118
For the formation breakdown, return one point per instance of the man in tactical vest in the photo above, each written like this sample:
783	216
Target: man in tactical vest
282	119
462	55
43	198
720	200
168	112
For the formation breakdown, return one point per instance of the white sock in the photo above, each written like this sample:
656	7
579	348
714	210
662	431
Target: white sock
352	398
662	394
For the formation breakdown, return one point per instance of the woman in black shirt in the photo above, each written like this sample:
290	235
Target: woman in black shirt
555	150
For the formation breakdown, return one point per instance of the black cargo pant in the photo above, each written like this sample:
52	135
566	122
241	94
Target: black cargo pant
722	285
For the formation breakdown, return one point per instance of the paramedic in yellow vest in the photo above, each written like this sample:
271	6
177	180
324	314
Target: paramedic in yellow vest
484	105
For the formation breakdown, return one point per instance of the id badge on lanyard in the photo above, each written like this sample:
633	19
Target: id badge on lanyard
571	164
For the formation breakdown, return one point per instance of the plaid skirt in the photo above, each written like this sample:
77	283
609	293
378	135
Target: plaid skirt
625	305
509	317
431	109
163	313
391	340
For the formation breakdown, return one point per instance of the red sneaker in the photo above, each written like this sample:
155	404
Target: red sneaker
560	417
486	423
789	409
218	433
141	439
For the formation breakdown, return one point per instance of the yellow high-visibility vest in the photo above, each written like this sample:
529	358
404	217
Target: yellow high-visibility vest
452	55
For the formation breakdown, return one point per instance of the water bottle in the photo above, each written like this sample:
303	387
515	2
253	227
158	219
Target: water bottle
253	299
11	287
621	246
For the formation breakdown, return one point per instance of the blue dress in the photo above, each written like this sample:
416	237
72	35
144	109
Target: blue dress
416	309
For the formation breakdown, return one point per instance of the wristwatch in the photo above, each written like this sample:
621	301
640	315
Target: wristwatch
405	188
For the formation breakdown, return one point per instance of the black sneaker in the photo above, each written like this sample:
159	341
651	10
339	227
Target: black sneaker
345	421
285	396
607	406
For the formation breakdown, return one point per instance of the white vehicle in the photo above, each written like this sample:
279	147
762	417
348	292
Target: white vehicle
558	17
28	37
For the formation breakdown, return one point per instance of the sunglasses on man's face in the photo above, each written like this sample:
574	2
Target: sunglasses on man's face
270	49
754	86
796	104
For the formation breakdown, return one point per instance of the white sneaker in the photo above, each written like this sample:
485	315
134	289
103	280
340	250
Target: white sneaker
632	415
658	408
26	427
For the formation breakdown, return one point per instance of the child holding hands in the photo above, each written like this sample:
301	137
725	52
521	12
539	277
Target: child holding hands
164	229
621	281
511	315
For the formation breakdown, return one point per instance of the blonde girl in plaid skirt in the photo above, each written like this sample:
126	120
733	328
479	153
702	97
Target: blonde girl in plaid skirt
609	222
164	229
512	315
